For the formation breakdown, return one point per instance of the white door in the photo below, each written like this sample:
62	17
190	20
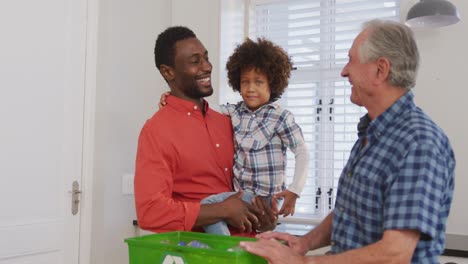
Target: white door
42	76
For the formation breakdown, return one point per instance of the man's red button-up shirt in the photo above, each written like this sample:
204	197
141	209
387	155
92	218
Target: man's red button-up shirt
182	157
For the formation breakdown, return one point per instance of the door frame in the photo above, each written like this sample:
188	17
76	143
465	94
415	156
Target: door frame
87	173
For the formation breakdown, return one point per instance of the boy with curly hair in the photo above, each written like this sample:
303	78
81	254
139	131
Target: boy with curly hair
263	130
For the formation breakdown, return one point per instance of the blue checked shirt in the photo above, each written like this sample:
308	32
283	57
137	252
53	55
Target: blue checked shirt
403	178
261	139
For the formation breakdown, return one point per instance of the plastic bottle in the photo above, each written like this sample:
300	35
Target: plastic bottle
197	244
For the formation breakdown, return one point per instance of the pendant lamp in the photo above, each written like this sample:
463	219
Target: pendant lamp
432	13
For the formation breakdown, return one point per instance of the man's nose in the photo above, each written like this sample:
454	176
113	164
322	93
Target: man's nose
206	66
344	71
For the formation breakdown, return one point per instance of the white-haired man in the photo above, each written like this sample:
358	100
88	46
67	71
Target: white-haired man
394	194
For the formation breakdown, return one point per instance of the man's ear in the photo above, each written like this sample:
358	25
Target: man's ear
167	72
383	68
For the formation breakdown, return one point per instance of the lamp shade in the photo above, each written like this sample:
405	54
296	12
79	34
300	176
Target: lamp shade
432	13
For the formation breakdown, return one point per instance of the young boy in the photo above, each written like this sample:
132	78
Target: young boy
263	130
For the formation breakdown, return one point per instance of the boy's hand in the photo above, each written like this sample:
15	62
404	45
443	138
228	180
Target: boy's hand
162	100
289	203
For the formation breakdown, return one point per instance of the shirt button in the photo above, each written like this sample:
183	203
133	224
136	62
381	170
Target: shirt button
341	209
195	107
253	116
217	145
225	169
189	113
350	173
332	242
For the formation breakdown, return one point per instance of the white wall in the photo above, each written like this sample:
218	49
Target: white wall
442	92
129	87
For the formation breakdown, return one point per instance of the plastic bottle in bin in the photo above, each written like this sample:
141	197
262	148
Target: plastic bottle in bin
236	249
197	244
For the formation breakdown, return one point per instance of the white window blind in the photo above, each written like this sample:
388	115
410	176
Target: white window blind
317	34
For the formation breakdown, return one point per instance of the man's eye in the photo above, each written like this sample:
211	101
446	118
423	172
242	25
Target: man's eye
258	82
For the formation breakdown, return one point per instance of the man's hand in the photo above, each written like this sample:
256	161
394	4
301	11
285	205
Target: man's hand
268	216
289	203
273	251
240	214
162	100
297	244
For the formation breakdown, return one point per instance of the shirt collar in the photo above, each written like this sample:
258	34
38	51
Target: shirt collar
380	124
363	125
185	106
271	105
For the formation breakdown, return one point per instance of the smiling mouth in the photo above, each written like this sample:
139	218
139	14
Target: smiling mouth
205	81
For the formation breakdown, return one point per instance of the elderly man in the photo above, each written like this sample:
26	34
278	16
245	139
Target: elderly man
394	194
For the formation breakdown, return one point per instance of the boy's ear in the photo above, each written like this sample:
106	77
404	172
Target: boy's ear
167	72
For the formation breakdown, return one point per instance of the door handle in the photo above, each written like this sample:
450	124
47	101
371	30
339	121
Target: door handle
75	197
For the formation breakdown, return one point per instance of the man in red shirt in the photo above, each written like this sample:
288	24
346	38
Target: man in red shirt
185	151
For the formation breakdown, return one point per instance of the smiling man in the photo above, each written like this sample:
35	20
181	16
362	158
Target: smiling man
185	151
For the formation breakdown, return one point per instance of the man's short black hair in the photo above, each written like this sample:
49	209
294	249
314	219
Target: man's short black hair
164	50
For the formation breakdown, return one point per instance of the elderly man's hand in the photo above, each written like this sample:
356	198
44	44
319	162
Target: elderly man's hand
297	244
273	251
